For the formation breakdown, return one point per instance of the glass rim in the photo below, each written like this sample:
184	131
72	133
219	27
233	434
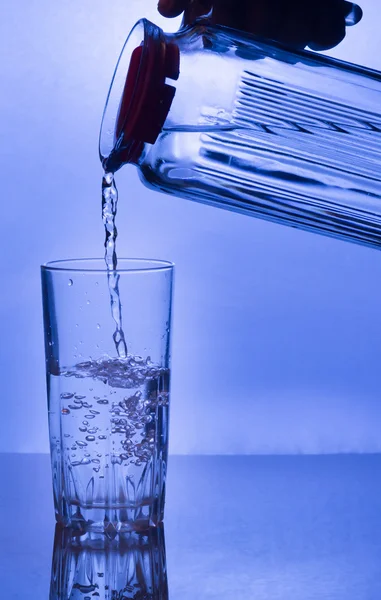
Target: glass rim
153	265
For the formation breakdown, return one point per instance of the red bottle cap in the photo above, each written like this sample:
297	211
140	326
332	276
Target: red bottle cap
146	98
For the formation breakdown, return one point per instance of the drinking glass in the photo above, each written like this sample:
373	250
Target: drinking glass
108	414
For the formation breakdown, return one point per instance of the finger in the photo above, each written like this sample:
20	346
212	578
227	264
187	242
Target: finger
296	28
196	9
286	21
232	13
172	8
353	14
328	24
319	24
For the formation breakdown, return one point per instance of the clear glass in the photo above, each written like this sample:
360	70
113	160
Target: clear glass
108	416
130	566
257	128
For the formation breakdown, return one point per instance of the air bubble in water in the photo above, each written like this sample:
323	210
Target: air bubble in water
79	397
102	437
81	444
70	282
66	395
90	438
90	416
98	326
86	589
82	429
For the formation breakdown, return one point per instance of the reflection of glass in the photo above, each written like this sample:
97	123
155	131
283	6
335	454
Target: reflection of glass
108	415
92	567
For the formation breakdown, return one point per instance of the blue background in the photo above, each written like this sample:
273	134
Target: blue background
276	332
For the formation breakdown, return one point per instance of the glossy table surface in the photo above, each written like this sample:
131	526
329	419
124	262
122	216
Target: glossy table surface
261	528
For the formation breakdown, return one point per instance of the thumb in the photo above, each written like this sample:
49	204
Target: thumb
172	8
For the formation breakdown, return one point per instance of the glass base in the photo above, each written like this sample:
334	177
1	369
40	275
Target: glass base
111	521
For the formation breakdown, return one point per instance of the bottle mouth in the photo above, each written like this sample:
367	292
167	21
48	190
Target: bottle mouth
139	98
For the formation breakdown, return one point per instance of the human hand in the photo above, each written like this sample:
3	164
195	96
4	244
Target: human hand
319	24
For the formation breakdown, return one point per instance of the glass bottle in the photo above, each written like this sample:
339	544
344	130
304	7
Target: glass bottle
235	121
